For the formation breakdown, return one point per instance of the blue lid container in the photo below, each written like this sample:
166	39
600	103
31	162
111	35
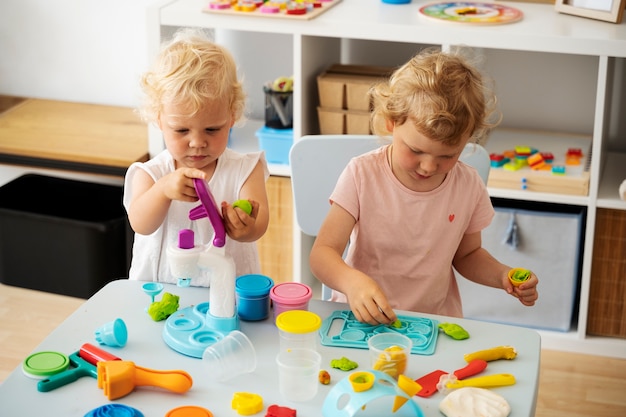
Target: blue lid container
253	296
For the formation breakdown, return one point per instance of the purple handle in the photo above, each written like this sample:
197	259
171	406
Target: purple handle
208	208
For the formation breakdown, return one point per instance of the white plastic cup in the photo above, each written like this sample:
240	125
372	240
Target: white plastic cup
298	371
390	353
113	333
229	357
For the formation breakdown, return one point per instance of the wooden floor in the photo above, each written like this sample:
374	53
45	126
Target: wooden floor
571	385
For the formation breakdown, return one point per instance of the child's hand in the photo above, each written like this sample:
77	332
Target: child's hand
239	225
369	304
179	184
526	292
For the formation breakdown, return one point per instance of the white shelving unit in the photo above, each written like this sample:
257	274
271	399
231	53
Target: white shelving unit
553	73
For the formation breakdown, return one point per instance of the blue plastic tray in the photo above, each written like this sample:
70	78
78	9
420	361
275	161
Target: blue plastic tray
341	328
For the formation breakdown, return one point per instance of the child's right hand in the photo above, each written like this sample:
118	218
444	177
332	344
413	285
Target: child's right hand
368	303
178	185
151	200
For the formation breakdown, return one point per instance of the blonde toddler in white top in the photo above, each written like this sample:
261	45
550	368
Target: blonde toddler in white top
193	94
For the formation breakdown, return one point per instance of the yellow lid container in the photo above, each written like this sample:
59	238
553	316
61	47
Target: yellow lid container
298	329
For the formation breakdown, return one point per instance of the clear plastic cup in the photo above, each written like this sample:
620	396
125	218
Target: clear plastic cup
390	353
290	296
229	357
298	371
298	329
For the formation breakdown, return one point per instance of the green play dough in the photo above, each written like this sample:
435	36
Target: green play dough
344	364
520	275
244	205
160	310
454	331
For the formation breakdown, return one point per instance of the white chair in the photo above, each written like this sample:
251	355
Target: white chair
477	156
316	162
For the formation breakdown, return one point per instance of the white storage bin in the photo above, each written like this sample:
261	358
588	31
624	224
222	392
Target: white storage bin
549	240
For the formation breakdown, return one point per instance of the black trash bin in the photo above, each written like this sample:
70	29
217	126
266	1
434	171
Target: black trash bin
62	236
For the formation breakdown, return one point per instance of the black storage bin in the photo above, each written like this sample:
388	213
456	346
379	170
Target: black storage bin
62	236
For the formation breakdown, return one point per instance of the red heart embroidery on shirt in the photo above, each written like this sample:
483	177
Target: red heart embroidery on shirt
451	218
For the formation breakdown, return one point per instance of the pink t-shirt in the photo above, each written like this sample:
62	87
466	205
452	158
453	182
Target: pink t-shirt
406	240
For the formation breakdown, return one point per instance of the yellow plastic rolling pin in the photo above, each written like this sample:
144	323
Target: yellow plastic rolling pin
493	354
487	381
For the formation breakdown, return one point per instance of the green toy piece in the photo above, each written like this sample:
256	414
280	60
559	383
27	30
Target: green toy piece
454	331
361	379
160	310
397	324
244	205
344	364
518	276
521	275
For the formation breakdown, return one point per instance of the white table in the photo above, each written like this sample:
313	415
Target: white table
125	299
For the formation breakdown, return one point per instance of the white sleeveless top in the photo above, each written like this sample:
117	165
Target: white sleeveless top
149	261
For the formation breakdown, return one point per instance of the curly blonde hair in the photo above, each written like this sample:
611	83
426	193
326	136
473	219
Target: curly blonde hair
441	94
191	70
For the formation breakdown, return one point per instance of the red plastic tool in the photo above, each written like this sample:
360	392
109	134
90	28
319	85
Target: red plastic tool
93	354
429	381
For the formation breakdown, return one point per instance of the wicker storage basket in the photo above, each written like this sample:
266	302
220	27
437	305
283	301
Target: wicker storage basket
607	297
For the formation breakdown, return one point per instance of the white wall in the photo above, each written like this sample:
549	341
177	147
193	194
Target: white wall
89	51
93	51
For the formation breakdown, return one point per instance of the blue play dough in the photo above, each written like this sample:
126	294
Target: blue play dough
114	410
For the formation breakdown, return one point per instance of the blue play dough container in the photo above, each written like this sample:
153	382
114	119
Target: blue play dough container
252	294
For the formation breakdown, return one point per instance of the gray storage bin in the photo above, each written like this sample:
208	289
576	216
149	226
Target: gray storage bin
549	239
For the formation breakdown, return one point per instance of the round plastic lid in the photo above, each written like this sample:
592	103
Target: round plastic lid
189	411
114	410
253	285
291	293
44	364
298	321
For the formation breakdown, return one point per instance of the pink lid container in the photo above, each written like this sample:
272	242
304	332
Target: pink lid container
290	296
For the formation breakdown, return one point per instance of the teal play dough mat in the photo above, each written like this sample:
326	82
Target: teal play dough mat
341	328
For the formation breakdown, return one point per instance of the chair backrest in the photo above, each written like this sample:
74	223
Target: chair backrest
476	155
316	162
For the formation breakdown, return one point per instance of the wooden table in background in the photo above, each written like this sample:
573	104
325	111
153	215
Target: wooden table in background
72	136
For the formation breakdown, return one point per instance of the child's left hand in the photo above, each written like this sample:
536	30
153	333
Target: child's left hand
525	292
238	224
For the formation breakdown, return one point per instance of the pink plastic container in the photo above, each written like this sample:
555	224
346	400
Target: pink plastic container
290	296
